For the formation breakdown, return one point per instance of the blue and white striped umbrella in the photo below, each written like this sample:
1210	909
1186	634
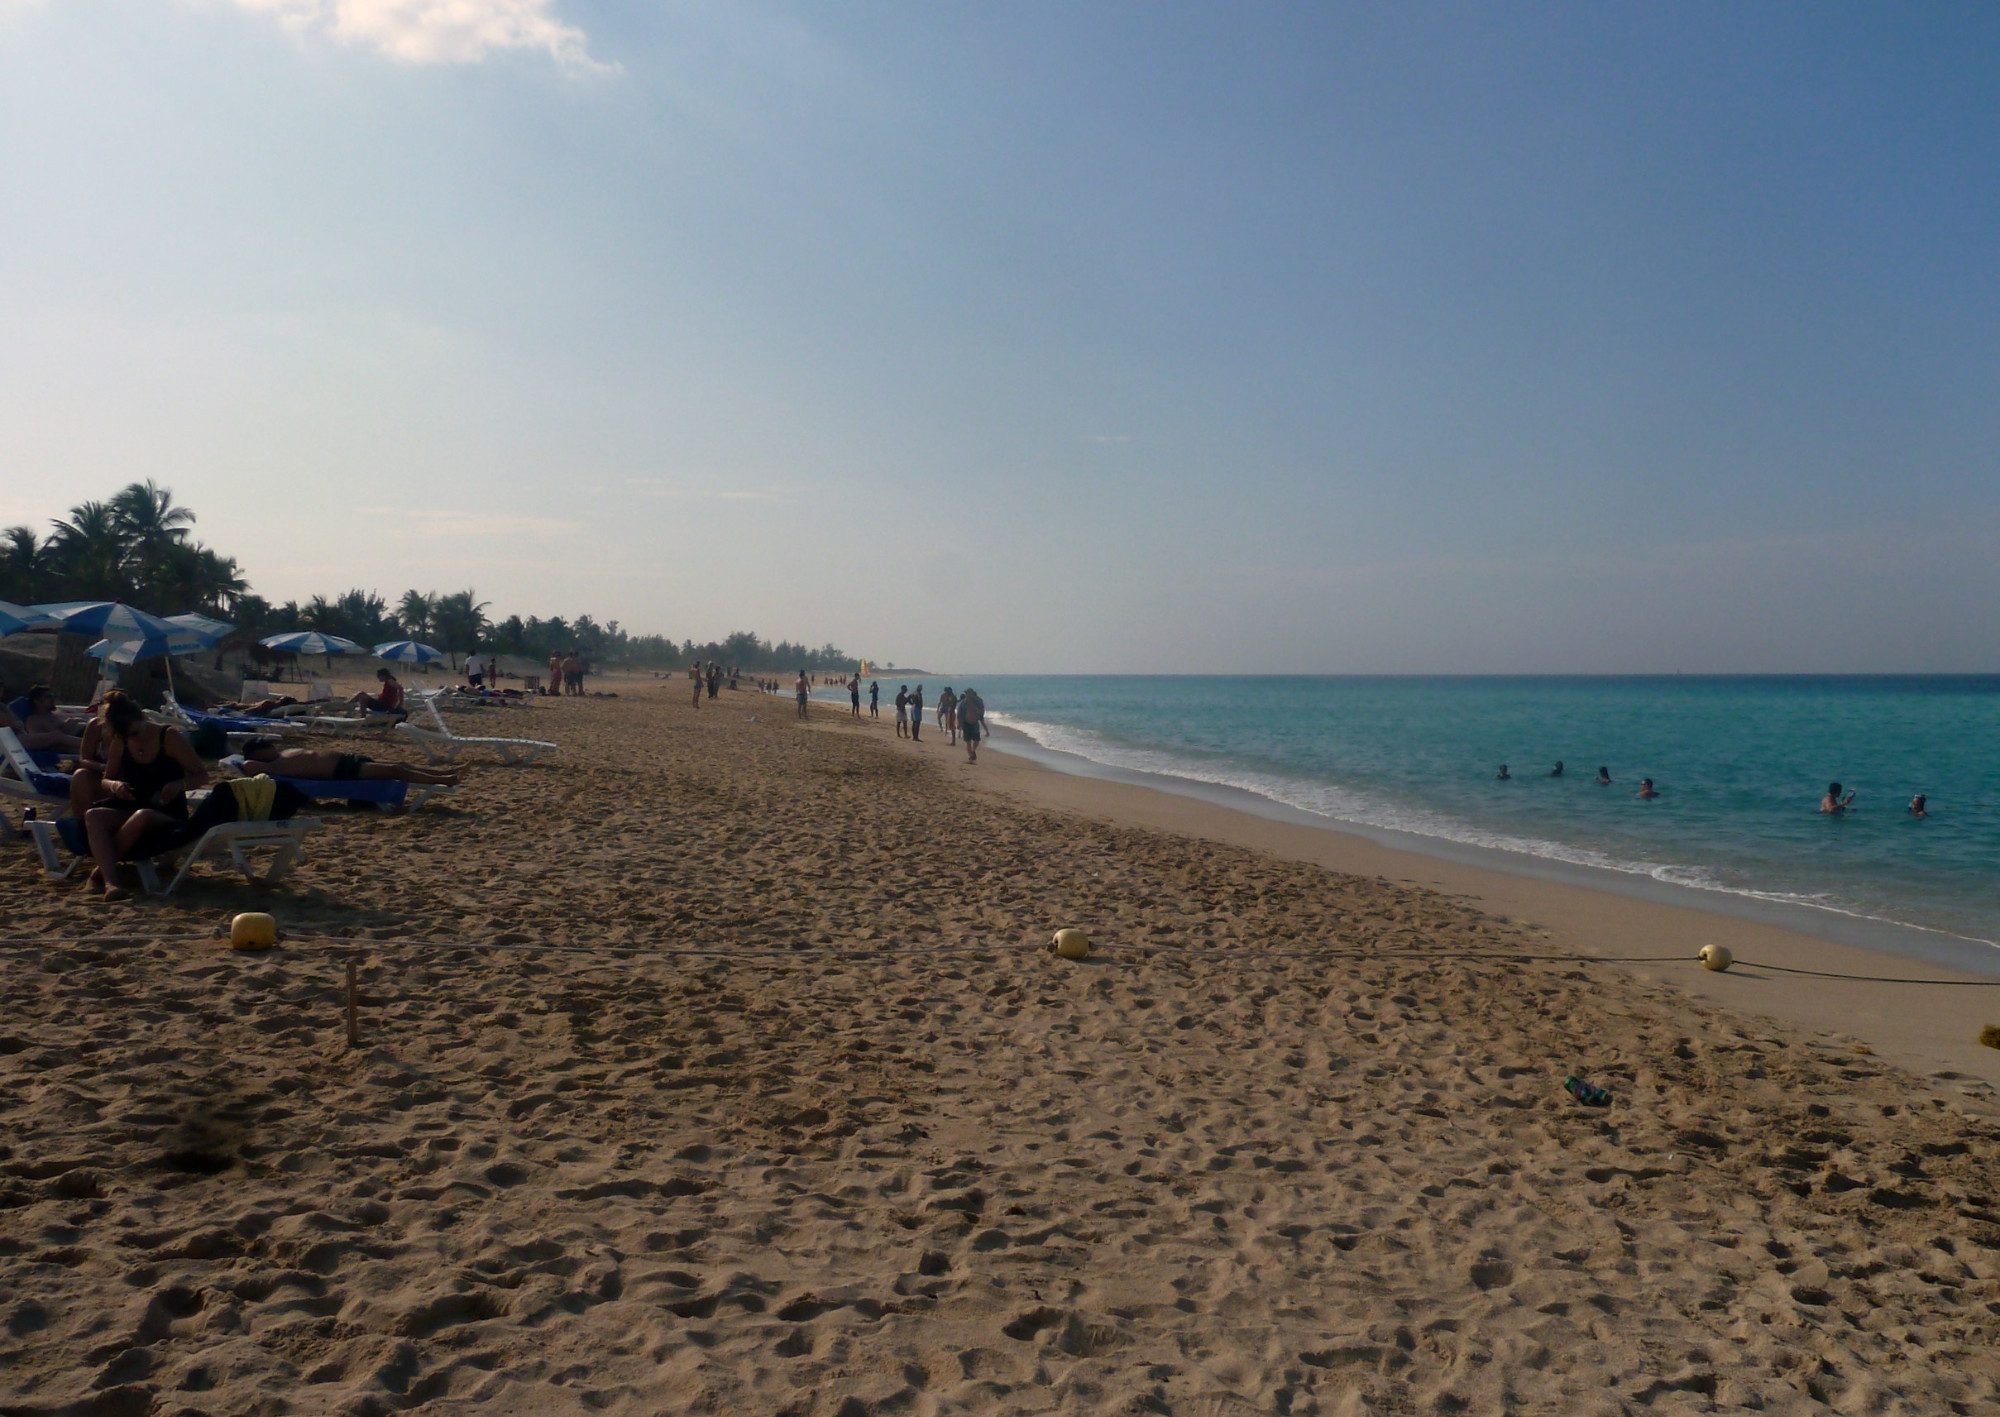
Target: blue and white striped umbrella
110	618
152	647
210	632
408	652
17	619
312	642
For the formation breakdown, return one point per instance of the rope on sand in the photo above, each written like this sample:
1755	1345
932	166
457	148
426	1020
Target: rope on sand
406	942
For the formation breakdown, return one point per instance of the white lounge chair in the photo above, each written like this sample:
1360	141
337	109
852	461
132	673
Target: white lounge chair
284	840
22	779
237	729
441	745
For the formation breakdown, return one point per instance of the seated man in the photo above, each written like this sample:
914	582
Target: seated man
39	727
263	756
390	700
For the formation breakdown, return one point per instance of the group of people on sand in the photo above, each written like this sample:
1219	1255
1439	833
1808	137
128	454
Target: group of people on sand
1832	804
712	676
960	717
566	673
132	780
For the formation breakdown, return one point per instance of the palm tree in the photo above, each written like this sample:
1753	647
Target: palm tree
189	576
25	565
415	612
89	553
460	620
146	514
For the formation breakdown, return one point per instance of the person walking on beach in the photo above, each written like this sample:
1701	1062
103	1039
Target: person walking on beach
804	691
971	721
854	694
948	714
875	698
917	714
903	712
555	671
694	673
1833	804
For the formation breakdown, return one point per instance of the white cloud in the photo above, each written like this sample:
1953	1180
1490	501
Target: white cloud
436	31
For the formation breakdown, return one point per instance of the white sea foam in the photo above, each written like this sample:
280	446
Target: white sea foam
1357	807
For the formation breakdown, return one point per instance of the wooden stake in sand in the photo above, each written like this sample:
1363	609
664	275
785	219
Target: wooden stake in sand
353	1008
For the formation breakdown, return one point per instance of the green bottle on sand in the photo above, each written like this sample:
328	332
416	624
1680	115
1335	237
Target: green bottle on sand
1589	1094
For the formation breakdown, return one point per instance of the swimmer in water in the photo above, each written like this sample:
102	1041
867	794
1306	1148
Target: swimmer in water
1919	805
1646	792
1502	774
1604	777
1833	803
1556	771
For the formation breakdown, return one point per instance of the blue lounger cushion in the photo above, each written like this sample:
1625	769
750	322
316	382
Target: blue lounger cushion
233	723
375	791
378	792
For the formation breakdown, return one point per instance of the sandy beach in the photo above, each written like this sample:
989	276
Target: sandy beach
713	1065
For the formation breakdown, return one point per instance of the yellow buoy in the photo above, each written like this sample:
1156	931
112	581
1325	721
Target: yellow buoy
1070	944
253	930
1716	957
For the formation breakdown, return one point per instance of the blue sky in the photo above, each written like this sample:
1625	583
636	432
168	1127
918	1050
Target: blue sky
1024	337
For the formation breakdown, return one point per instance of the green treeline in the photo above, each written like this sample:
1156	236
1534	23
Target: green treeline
139	548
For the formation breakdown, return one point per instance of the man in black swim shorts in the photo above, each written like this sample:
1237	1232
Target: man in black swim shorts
347	767
971	722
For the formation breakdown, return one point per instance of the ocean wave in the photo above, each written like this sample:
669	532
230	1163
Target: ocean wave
1358	807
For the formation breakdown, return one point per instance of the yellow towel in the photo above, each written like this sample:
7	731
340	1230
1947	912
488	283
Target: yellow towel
255	797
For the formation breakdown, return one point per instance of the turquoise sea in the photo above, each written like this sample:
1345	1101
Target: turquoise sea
1740	764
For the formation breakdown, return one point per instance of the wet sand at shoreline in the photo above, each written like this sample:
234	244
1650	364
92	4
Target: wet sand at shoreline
1933	1031
712	1064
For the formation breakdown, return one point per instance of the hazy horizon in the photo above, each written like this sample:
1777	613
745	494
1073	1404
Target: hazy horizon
1105	338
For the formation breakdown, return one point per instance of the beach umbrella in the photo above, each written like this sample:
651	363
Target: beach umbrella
112	619
18	619
152	647
408	652
210	632
179	639
312	642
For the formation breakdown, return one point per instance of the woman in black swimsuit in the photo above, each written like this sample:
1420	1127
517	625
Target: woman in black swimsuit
147	773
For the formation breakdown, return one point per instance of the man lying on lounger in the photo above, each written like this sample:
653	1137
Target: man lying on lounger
258	708
264	756
41	727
